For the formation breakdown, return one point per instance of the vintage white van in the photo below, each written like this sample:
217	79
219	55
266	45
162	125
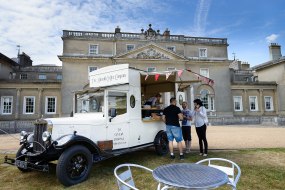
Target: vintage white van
109	119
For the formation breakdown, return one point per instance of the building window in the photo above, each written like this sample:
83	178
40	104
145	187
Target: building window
92	68
204	72
42	76
171	68
23	76
29	105
50	105
253	105
59	77
171	48
212	103
207	99
238	103
268	102
130	47
151	69
202	52
6	105
93	49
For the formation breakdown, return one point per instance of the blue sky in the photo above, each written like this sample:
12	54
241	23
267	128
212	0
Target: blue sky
249	25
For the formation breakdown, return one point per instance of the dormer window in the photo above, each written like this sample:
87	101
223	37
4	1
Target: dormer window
42	76
151	69
23	76
130	47
171	48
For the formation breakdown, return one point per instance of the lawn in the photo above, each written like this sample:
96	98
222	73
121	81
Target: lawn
261	169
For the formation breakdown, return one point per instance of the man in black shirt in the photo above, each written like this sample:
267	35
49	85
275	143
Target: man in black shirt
171	116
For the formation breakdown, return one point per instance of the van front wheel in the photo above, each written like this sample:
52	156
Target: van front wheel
74	165
161	143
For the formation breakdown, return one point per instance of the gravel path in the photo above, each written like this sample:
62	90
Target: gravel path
219	137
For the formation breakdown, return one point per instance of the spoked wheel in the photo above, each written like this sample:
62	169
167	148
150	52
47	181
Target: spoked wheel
161	143
77	166
74	165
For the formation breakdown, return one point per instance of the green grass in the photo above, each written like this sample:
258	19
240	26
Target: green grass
261	169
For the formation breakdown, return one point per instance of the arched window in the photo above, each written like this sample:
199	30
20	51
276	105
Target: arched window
207	99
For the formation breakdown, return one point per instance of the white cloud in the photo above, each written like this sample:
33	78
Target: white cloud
200	18
272	38
37	25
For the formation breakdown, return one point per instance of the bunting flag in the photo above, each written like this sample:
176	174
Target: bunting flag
179	72
211	82
156	76
202	78
146	77
167	75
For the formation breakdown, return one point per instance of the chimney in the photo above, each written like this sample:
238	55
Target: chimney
245	66
24	60
117	30
166	32
274	51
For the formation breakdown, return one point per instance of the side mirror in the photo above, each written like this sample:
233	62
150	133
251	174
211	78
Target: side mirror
112	112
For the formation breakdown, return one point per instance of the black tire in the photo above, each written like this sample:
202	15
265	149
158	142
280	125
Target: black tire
19	156
161	143
74	165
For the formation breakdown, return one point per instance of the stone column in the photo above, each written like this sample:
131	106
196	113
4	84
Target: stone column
40	92
275	102
260	101
246	105
191	106
18	99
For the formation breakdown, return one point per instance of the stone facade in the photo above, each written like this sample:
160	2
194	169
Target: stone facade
148	50
236	97
240	94
274	70
28	93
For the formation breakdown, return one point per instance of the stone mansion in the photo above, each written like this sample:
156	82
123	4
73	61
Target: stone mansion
239	95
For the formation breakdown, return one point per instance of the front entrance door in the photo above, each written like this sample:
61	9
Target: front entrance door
118	127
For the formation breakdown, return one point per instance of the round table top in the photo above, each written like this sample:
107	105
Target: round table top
187	175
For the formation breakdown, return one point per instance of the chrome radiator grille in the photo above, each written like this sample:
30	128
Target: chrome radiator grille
40	127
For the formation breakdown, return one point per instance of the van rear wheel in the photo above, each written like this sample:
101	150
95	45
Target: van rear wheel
161	143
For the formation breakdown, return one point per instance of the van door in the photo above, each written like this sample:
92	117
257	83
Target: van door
118	126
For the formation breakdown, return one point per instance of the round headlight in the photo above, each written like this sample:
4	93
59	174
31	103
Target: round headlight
23	135
46	136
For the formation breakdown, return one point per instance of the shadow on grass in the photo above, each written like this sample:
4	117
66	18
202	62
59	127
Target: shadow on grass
261	169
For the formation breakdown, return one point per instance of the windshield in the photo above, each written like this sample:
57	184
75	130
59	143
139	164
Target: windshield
90	102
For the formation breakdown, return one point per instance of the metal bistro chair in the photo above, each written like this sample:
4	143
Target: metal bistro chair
125	179
230	171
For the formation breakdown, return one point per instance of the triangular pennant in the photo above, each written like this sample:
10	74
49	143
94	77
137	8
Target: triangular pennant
197	76
179	72
205	79
146	77
167	75
211	82
156	77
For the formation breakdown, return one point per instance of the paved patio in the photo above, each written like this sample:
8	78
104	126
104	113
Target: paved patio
219	137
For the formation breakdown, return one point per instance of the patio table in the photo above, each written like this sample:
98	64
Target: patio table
189	176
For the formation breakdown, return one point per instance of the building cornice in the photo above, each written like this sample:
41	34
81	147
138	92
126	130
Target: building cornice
69	34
